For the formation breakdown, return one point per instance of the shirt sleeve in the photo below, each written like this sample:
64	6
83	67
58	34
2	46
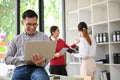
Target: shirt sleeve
10	56
86	50
65	45
83	49
73	45
45	37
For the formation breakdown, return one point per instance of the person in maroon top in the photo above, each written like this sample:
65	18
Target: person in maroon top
57	64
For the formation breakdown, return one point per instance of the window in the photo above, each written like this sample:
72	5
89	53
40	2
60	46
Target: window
7	29
7	24
27	4
52	15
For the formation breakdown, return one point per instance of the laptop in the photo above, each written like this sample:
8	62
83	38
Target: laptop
45	49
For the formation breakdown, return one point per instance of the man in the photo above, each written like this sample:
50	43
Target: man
27	70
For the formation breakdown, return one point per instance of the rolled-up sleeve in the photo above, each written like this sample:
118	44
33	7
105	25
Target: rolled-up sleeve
83	49
86	50
9	59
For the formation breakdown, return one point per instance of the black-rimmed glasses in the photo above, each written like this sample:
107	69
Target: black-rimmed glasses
34	25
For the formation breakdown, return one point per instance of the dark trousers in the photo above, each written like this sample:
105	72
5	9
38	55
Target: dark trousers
59	70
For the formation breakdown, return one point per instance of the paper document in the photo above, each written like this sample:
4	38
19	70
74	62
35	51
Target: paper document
63	50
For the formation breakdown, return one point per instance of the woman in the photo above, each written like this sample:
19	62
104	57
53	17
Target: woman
57	64
87	51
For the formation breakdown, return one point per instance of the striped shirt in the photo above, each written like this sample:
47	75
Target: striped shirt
15	52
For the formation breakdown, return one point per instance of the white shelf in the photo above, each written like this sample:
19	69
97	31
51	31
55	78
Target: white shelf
105	43
115	65
114	48
85	8
85	15
72	18
97	1
114	0
74	28
102	50
101	16
83	3
100	28
114	26
100	23
74	12
115	71
72	5
75	37
114	9
103	64
115	20
100	13
117	42
100	3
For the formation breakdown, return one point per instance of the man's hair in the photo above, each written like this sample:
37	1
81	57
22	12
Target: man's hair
29	13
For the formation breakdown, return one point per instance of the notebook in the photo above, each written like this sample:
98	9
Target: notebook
45	49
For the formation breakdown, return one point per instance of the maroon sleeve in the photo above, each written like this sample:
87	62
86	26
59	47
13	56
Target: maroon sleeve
73	46
65	45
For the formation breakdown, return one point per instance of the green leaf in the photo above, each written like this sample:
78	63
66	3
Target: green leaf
9	37
2	49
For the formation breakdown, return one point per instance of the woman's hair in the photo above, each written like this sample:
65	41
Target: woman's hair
53	29
82	26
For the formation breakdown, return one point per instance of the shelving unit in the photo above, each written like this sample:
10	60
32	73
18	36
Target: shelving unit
85	15
114	9
100	13
101	16
94	2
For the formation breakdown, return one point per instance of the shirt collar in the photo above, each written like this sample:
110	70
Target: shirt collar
53	39
28	34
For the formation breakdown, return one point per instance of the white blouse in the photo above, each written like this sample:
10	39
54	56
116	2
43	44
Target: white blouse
86	50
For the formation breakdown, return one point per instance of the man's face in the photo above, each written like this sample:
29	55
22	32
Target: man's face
30	25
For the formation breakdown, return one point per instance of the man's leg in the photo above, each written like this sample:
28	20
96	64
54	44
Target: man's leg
39	74
20	73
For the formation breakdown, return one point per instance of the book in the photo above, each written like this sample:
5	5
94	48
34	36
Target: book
101	75
104	75
71	50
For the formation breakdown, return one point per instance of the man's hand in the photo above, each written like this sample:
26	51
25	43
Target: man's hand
36	59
